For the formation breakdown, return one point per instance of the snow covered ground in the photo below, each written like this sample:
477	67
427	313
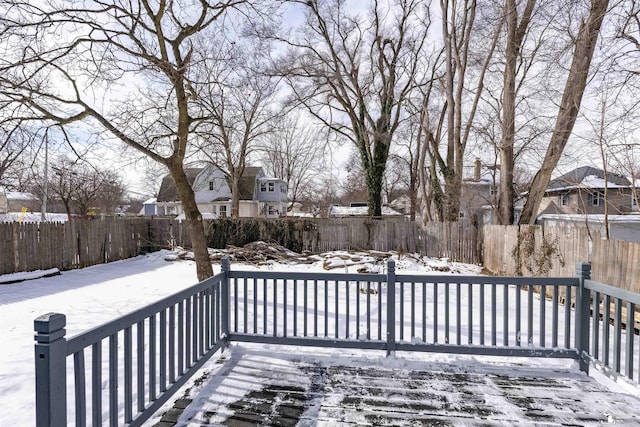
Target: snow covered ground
97	294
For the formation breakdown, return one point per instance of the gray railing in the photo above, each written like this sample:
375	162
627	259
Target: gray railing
502	316
173	339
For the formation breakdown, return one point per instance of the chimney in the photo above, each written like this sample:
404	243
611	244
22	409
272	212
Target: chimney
476	170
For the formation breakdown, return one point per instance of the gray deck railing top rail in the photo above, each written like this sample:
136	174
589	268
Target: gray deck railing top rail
153	351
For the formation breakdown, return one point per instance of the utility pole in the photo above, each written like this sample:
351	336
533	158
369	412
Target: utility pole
43	210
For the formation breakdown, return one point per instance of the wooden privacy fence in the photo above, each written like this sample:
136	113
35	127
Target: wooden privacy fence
75	244
531	250
78	244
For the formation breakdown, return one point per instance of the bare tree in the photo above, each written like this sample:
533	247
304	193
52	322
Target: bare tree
516	31
354	74
295	153
239	104
123	66
575	85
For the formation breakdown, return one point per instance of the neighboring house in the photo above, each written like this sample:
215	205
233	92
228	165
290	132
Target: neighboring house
621	227
260	195
361	211
582	191
402	204
479	194
16	201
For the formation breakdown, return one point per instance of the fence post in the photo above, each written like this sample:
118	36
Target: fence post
224	296
51	374
583	315
391	307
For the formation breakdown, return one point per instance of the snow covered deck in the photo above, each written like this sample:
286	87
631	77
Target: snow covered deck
263	385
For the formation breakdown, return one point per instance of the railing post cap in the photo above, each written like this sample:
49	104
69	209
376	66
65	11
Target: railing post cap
391	265
224	263
583	266
50	322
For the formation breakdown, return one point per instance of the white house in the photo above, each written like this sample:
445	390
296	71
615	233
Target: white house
260	195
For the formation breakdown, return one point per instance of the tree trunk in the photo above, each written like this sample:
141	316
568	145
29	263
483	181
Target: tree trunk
194	220
235	195
515	36
569	107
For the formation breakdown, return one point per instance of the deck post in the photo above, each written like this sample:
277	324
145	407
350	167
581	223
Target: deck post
583	315
224	300
51	374
391	307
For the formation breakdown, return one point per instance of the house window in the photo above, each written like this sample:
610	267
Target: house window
223	211
283	188
563	199
634	203
493	190
263	186
272	187
596	199
211	187
461	214
271	210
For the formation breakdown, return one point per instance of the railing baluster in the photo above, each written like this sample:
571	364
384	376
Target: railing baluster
494	325
630	337
326	308
315	308
208	319
380	307
195	331
275	307
530	315
128	375
336	309
152	358
236	308
606	329
96	384
413	310
306	306
163	351
401	303
172	344
255	305
180	338
358	310
543	301
458	313
446	312
140	365
295	308
80	389
187	333
369	309
424	312
617	334
265	297
595	350
567	318
554	316
505	314
518	330
481	304
470	313
245	306
285	308
113	380
435	312
201	332
347	309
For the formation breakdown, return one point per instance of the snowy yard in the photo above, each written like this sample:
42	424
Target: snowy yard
94	295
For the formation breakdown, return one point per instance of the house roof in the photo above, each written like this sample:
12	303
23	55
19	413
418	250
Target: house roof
341	211
588	177
168	191
247	182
